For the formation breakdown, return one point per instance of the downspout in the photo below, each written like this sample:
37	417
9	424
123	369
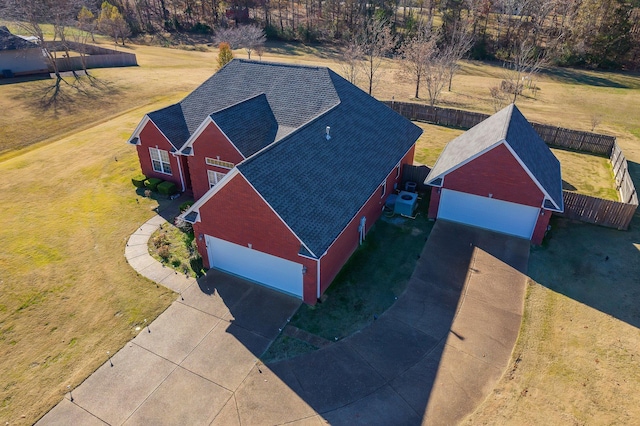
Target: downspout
179	170
318	279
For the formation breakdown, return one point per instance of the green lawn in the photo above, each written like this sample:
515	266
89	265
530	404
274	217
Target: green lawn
372	279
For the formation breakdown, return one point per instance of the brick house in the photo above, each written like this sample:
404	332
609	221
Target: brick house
290	166
499	175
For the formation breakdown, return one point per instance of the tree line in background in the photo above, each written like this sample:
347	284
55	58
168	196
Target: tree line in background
592	33
429	37
588	33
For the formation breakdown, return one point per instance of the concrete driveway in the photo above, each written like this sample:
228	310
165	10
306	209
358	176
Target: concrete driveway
431	358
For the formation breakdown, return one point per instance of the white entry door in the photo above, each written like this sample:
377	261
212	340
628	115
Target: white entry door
484	212
254	265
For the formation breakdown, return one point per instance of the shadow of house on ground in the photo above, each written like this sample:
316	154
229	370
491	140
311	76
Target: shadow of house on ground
406	367
594	265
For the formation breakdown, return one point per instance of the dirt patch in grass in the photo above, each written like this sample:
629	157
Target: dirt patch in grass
370	282
176	248
577	359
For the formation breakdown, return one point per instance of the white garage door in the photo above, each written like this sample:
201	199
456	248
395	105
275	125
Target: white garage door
496	215
255	265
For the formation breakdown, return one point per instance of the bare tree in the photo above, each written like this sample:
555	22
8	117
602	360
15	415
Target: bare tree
249	37
459	43
498	98
351	61
376	41
28	15
527	60
417	55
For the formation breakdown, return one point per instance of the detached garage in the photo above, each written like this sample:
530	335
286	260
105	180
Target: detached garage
499	175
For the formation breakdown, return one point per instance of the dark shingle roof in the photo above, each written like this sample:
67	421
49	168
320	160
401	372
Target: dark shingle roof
9	41
511	126
170	121
295	94
323	183
250	124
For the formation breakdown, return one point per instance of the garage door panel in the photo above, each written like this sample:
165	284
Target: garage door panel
254	265
489	213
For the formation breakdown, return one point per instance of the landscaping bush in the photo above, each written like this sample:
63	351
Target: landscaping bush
152	183
138	181
167	188
184	206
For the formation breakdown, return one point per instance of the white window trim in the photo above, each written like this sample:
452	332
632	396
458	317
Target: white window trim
219	163
164	165
217	177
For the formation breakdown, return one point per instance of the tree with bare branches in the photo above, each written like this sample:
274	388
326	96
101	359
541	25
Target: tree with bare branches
459	42
377	42
249	37
417	55
28	15
526	61
351	61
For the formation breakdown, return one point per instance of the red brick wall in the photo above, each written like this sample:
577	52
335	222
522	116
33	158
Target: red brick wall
496	172
151	137
340	251
238	214
211	143
541	227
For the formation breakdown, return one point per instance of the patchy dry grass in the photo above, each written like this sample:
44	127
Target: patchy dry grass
67	295
577	357
587	174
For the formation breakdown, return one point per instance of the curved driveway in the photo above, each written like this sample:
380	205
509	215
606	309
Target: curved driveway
431	358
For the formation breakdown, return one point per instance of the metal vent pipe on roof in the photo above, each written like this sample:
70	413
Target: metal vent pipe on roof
328	132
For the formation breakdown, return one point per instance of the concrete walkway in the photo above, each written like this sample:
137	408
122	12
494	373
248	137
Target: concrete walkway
431	358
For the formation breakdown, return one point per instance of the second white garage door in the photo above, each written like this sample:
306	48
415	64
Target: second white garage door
272	271
496	215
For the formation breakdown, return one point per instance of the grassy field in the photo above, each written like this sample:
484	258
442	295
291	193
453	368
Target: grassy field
67	296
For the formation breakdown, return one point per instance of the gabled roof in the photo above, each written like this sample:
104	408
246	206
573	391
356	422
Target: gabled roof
170	121
250	124
507	126
9	41
295	95
317	185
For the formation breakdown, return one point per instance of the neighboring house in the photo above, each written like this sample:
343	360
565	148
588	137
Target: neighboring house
290	166
19	56
499	175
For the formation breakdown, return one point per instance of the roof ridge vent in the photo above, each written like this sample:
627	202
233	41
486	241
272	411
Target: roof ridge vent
328	135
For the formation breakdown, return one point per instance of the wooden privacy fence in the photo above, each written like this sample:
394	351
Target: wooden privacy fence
552	135
624	184
609	213
416	174
92	56
612	214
